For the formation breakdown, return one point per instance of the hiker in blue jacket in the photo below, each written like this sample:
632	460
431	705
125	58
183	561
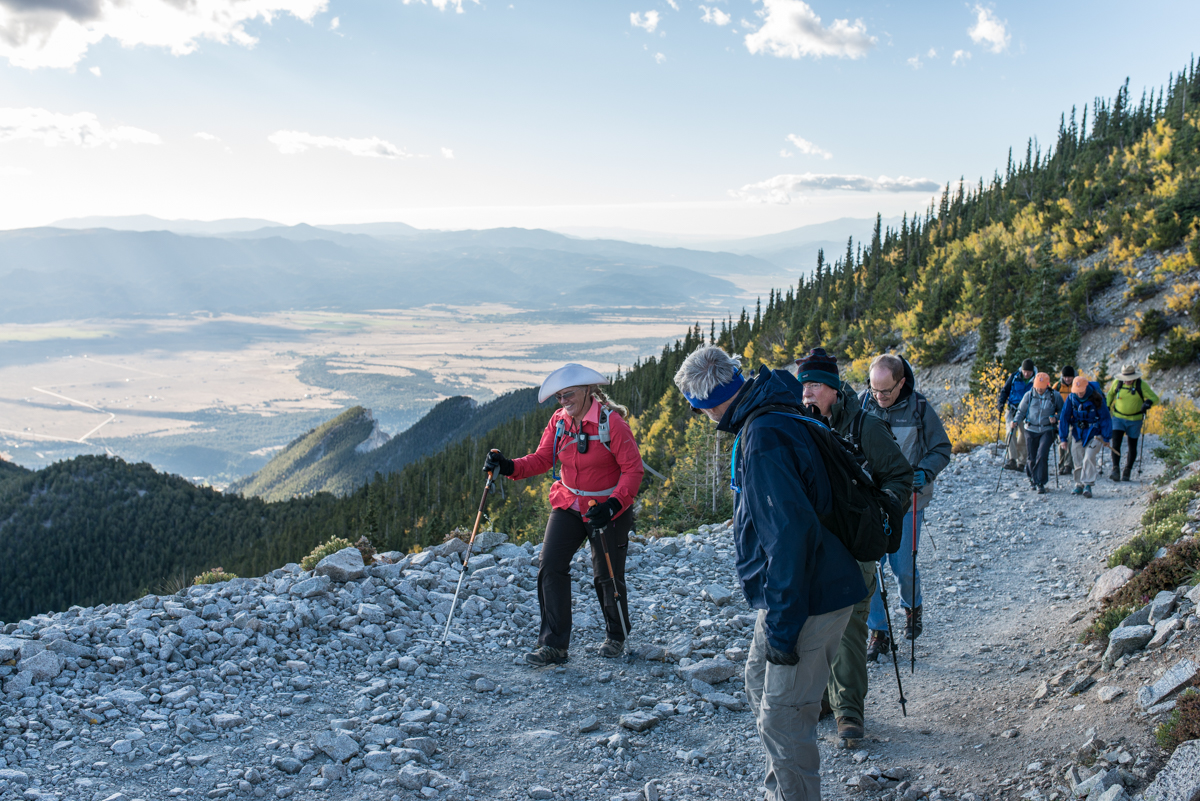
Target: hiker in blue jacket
1015	388
1085	424
793	570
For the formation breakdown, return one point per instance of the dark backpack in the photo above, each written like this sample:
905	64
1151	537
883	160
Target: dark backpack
862	515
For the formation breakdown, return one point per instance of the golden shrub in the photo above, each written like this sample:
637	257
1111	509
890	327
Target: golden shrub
973	420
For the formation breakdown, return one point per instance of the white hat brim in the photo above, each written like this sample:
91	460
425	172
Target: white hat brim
569	375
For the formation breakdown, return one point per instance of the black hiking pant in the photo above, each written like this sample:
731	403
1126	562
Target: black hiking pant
1131	457
566	531
1039	455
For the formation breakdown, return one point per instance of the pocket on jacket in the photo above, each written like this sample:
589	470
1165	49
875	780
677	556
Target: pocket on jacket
780	680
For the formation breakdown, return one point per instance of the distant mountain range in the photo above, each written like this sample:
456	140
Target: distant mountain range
344	453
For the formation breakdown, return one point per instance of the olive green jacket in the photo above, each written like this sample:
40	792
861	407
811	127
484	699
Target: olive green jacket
885	461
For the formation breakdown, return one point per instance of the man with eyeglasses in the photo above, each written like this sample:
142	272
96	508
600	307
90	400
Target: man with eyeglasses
835	400
893	397
792	569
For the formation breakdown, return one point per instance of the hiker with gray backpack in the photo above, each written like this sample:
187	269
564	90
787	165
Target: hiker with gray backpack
1038	415
838	404
893	397
592	500
793	569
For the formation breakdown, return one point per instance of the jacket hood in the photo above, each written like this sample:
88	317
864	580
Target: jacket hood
910	381
845	407
764	389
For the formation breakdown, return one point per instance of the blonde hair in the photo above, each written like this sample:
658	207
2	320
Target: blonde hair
608	402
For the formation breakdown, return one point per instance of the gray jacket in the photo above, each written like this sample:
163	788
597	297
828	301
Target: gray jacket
1039	411
918	431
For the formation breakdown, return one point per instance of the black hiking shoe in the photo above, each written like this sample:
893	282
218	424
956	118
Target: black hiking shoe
545	655
1125	473
880	643
611	649
1041	490
850	729
1011	464
1115	475
912	623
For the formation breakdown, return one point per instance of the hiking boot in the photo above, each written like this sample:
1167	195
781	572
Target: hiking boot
1011	464
1041	490
545	655
1078	490
912	623
880	643
1087	491
1125	473
611	649
1115	475
850	729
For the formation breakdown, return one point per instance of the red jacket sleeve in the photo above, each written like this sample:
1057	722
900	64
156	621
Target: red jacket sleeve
542	459
629	459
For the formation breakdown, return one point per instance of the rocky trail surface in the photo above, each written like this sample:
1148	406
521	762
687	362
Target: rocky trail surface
332	686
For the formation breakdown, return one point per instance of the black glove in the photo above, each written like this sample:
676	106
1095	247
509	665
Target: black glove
777	657
602	514
1146	406
495	462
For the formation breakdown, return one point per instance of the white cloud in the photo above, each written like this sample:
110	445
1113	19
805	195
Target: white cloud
57	33
207	137
14	172
791	29
293	142
441	5
960	55
95	71
714	16
785	153
989	31
82	129
647	22
673	4
915	62
781	188
932	53
447	153
659	58
808	148
335	23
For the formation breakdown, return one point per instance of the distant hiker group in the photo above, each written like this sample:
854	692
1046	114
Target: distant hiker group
1084	418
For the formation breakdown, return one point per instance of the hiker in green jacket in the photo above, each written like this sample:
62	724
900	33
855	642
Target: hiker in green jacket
1129	398
837	402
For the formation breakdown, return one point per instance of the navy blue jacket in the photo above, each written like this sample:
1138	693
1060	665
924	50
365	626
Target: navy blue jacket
788	563
1085	417
1015	388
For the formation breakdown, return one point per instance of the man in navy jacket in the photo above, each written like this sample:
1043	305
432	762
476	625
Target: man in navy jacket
792	569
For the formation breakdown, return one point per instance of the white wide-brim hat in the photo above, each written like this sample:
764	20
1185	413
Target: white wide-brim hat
569	375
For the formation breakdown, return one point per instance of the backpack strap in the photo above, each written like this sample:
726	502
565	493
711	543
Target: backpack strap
856	428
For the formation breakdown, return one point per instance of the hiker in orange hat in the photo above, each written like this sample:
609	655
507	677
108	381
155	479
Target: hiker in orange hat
1038	412
1086	424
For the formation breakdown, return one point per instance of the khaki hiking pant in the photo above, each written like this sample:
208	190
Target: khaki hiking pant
1087	460
847	685
1018	451
786	702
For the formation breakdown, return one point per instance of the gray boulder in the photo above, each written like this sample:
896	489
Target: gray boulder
487	540
43	666
10	647
1126	640
1109	582
710	671
311	587
1162	606
1180	778
1182	673
506	550
345	565
338	746
1139	618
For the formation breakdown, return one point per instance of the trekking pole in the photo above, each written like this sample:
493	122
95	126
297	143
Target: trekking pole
996	441
914	583
598	533
487	487
1055	451
895	648
1000	477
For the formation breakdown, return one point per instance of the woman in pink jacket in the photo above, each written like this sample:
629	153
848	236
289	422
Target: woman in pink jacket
601	473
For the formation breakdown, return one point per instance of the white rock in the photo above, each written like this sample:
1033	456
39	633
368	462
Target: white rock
345	565
1109	582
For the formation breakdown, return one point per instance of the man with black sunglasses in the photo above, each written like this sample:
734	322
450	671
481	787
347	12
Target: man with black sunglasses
893	396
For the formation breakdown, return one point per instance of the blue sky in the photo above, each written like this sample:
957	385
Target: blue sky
717	118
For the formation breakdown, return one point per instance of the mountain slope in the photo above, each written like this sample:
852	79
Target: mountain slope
343	454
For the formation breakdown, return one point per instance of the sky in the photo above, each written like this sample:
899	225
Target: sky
724	118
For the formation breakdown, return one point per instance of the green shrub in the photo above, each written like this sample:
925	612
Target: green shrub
1142	290
1180	434
330	546
214	576
1139	550
1152	325
1177	567
1184	723
1105	622
1181	349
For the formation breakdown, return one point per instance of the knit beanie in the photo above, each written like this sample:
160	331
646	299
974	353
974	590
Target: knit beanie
1028	365
1079	385
1068	372
1041	381
817	365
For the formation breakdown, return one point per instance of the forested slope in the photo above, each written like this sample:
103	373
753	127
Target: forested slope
1022	252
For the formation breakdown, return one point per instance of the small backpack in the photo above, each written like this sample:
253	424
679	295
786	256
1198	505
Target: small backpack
862	516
